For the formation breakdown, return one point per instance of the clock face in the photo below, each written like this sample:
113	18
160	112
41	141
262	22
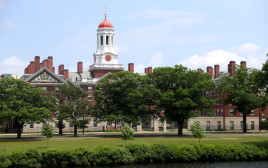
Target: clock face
108	58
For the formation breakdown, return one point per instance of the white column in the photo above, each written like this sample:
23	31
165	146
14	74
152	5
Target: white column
156	125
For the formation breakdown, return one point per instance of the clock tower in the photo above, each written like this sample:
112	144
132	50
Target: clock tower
105	58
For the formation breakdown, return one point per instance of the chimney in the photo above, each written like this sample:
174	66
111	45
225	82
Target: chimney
28	69
231	67
244	63
150	70
66	73
146	70
216	70
210	70
200	70
60	69
50	63
45	63
80	67
53	69
32	67
131	67
37	63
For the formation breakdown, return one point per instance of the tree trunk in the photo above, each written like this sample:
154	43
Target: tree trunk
19	130
75	130
179	124
60	127
244	123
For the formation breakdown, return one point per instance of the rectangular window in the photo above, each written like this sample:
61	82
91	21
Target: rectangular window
241	124
215	112
45	88
118	123
231	125
31	125
56	89
95	124
252	112
56	124
231	112
219	125
109	124
107	40
222	112
89	88
208	125
89	97
101	39
252	125
218	112
71	124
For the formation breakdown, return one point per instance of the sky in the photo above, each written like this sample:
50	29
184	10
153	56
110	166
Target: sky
155	33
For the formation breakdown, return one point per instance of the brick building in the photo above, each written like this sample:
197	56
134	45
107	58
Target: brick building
43	74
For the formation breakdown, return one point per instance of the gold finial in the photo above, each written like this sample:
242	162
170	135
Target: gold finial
105	10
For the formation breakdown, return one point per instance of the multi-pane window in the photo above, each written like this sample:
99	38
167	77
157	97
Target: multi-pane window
252	112
231	112
218	125
215	112
89	97
252	124
241	124
71	124
208	125
45	88
231	125
222	112
218	112
89	88
31	125
95	124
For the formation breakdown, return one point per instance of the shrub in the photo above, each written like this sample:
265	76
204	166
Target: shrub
127	132
162	152
141	152
104	155
197	130
30	158
4	161
185	153
264	125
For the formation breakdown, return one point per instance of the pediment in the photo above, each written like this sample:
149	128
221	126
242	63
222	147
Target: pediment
44	75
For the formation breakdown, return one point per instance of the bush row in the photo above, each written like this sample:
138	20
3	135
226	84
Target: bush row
264	125
137	153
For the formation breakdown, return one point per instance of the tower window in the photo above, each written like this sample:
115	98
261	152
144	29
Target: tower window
101	40
112	38
107	40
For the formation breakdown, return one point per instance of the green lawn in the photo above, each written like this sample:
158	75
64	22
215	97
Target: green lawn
65	142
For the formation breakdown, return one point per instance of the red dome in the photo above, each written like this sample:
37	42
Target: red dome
105	24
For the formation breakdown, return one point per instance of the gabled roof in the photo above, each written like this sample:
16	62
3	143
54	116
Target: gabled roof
29	77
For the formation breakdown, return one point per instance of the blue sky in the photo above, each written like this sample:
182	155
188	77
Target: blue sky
148	33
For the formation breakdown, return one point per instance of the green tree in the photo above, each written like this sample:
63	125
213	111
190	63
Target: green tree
24	103
124	96
48	131
181	91
74	106
127	132
197	130
241	90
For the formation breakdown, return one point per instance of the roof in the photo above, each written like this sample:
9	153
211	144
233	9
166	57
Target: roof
105	24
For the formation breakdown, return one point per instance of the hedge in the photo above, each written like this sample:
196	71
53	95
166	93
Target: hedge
134	153
264	125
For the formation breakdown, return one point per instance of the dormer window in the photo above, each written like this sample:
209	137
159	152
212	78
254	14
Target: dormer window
107	40
101	40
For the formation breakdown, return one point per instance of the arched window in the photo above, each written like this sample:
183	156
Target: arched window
107	40
101	40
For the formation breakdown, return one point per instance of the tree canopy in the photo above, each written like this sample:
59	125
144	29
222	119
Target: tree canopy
124	96
23	103
241	91
180	92
72	104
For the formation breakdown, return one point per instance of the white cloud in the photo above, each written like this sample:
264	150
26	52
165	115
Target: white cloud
220	57
8	23
246	48
156	60
13	65
2	4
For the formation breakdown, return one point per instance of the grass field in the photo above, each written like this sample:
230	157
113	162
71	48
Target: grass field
9	144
